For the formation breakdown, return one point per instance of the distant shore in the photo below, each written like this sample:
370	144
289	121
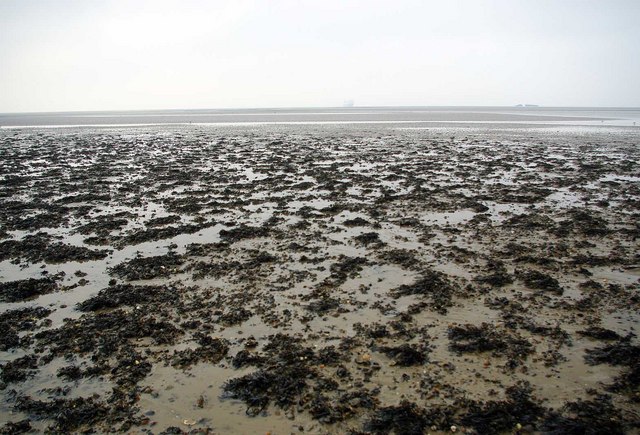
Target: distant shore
438	116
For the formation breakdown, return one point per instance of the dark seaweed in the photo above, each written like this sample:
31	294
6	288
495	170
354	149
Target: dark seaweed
211	350
148	267
19	369
130	295
540	281
243	232
15	428
103	334
405	419
600	333
16	291
21	319
501	416
486	337
433	285
68	415
405	355
585	418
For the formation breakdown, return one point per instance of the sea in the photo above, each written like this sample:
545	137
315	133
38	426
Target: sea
406	117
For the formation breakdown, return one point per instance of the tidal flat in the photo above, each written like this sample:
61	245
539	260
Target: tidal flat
369	280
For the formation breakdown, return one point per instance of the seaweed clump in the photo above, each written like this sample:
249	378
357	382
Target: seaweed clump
148	267
323	305
621	353
486	337
356	222
19	369
283	381
150	234
600	333
235	316
371	238
330	410
16	291
211	350
536	280
22	319
405	355
501	416
345	268
243	232
68	415
103	334
583	221
282	385
15	428
407	418
592	417
38	247
130	295
434	285
403	257
246	358
497	275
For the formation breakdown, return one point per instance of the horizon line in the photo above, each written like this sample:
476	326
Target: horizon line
515	106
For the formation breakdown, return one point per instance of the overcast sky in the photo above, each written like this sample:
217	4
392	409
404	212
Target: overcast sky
110	55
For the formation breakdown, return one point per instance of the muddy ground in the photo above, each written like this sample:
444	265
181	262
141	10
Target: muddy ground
298	280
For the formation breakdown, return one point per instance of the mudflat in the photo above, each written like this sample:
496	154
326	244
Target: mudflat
188	279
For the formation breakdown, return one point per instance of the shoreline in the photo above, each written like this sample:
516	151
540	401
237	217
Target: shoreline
320	279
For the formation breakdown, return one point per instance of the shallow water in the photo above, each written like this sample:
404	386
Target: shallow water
444	202
400	116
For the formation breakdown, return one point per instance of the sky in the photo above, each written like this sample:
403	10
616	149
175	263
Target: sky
76	55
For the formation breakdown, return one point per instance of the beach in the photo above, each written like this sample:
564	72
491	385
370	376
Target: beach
404	277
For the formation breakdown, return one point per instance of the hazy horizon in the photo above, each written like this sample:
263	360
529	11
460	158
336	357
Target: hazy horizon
77	56
355	108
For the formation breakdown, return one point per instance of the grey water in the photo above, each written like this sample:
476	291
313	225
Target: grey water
416	117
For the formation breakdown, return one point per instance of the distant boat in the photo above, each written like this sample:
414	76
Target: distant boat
527	105
347	103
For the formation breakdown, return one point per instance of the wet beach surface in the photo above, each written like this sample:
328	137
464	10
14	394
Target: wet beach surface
190	279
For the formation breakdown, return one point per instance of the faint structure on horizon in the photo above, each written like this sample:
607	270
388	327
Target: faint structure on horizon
347	103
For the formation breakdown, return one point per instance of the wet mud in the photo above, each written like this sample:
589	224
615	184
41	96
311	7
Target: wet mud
337	280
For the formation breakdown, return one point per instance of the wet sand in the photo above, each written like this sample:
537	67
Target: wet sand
362	279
